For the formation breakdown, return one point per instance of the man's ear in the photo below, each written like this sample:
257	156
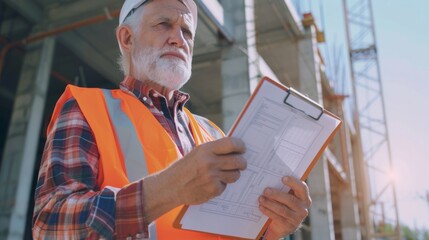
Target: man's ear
124	35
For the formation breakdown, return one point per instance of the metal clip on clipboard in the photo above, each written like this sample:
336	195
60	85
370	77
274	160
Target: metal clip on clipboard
304	104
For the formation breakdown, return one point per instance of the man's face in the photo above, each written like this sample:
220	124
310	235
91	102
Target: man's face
162	52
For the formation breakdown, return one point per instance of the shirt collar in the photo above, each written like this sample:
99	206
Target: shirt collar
147	94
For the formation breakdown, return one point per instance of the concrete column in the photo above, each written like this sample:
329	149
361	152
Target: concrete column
239	60
23	137
350	228
350	220
321	216
309	62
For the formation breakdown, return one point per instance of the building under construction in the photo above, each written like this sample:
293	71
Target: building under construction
47	44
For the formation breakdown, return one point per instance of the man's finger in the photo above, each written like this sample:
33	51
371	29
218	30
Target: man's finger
274	215
230	176
227	145
232	162
299	188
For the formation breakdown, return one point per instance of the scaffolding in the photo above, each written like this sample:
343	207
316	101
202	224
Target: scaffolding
376	178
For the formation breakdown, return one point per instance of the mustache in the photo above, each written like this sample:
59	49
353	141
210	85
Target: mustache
178	52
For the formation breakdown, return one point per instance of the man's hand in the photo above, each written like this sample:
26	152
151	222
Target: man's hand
286	210
207	169
194	179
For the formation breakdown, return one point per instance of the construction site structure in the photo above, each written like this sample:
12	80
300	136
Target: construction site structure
47	44
375	167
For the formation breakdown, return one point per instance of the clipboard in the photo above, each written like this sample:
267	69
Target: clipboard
301	109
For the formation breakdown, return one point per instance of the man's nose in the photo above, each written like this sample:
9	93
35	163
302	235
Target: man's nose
176	37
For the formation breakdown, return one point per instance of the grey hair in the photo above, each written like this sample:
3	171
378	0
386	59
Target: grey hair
132	22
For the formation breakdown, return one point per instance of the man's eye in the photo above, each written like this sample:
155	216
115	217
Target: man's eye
164	24
187	32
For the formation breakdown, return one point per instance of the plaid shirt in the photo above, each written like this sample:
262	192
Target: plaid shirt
68	202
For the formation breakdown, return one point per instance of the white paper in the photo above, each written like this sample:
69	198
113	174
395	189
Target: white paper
280	141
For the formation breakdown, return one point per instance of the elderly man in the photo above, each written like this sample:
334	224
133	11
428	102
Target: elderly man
119	164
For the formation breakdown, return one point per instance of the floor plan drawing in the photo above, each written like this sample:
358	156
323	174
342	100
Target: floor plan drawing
281	140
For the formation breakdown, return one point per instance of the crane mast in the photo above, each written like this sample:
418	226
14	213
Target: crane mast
376	185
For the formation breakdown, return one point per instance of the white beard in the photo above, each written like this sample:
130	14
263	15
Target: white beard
171	73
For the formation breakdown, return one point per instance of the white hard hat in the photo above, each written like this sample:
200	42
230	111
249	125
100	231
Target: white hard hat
128	8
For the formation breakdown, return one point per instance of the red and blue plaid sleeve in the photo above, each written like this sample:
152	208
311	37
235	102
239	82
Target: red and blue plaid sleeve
68	202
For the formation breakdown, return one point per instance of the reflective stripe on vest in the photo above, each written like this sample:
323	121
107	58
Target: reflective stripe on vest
130	145
129	142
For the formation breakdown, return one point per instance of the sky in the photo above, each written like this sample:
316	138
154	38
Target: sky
402	37
403	46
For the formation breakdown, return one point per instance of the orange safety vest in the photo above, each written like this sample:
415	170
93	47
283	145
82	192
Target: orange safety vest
99	106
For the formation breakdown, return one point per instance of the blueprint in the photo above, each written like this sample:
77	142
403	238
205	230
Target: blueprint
280	141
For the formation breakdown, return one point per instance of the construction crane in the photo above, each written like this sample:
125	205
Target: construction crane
375	185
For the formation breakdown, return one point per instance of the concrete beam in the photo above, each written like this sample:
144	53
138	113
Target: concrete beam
77	10
86	52
212	14
282	15
293	17
27	8
14	27
336	166
105	66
